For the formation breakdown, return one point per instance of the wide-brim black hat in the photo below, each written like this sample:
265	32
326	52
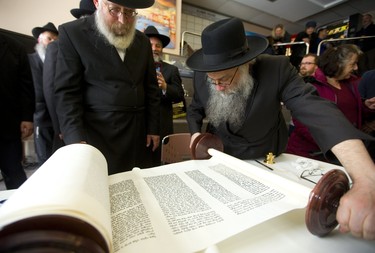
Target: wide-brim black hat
50	27
134	4
86	7
225	46
151	31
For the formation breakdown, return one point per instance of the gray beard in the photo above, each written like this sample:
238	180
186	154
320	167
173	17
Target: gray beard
41	51
157	58
229	106
119	41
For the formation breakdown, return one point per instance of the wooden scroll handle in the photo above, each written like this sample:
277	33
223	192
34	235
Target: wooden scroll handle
324	201
202	143
52	234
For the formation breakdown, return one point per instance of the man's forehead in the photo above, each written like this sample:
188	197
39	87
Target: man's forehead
116	5
308	58
156	40
48	33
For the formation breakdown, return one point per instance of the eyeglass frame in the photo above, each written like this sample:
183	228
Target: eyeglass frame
116	11
307	63
318	172
216	82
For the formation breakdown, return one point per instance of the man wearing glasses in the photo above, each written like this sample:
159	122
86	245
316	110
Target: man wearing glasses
240	92
308	65
106	88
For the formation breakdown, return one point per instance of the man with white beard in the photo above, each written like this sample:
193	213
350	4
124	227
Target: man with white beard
43	128
231	77
106	88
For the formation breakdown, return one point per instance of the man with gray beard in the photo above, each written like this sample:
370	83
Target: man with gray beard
106	88
170	85
43	128
226	64
230	104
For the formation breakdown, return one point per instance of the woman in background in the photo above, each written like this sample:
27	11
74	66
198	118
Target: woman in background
278	35
334	80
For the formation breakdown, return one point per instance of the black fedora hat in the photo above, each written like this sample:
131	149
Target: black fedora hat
225	46
50	27
86	7
135	4
151	31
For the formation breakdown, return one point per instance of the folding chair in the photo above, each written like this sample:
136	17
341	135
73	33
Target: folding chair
175	148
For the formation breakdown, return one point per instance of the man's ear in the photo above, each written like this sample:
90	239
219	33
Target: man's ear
96	3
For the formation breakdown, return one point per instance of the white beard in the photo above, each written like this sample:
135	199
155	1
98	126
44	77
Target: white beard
119	35
41	50
230	106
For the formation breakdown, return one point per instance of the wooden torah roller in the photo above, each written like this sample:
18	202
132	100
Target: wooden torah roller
324	201
202	143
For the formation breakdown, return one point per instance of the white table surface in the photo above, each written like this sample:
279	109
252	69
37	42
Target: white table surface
288	233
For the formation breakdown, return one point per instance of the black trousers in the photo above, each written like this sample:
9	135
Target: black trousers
43	138
11	163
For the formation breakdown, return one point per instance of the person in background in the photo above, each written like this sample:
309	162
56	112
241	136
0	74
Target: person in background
367	62
170	85
278	35
43	129
322	35
366	88
308	65
105	85
240	93
86	8
299	50
17	105
335	81
367	85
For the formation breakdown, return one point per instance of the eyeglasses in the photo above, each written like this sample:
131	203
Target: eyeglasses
312	175
116	11
307	63
220	83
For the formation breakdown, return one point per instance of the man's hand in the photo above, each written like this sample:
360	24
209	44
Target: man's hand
27	129
161	81
370	103
193	137
154	140
356	212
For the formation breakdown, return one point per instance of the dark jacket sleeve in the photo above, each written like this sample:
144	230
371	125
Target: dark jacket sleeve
49	84
17	96
175	92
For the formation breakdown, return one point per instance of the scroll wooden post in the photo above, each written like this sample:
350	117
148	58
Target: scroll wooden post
202	143
320	217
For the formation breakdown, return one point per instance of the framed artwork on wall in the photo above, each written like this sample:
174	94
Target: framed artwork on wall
165	15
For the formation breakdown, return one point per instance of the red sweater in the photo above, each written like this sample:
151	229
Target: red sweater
348	100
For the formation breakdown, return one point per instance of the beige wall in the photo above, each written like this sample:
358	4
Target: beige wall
23	15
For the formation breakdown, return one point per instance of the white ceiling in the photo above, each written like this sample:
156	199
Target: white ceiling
292	13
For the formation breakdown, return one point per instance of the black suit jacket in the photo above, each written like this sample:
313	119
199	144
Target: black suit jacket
17	98
264	129
49	83
41	116
173	94
109	103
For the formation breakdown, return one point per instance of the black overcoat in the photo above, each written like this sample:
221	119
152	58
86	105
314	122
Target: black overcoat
173	94
109	103
17	97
